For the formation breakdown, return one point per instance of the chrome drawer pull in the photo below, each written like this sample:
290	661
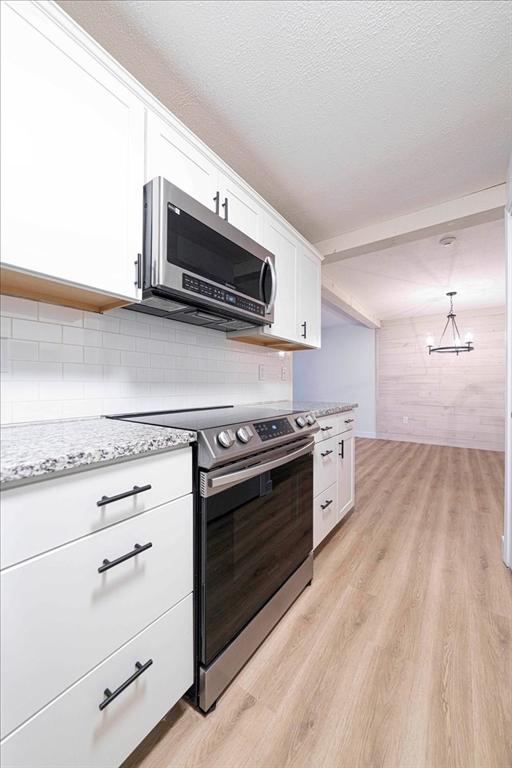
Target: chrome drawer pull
326	453
324	429
136	489
137	549
324	506
111	695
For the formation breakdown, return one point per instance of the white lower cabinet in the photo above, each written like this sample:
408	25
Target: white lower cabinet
325	514
72	731
78	615
333	473
346	475
98	607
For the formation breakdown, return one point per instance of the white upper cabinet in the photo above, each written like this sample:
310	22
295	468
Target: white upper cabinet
72	158
283	245
240	208
308	298
171	154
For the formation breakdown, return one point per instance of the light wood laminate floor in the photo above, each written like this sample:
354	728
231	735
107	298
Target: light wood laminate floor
398	655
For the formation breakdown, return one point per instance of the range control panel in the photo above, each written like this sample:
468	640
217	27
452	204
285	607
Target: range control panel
210	291
276	428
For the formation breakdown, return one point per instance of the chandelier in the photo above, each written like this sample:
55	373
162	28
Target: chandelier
451	326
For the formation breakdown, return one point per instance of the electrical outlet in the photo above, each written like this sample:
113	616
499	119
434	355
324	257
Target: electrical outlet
261	372
405	419
284	373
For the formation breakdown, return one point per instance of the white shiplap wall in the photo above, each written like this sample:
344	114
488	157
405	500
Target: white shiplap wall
62	363
448	400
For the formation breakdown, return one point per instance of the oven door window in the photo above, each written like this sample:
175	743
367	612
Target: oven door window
197	248
254	536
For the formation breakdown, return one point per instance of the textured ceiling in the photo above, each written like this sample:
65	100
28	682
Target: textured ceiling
341	114
413	278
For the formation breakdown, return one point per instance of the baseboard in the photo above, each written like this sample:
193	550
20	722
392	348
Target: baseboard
432	441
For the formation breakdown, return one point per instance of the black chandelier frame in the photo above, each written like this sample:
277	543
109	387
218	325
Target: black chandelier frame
451	322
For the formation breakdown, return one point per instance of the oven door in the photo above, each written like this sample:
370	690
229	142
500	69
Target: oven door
255	532
198	254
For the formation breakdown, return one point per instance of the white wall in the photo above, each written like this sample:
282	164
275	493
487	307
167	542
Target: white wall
62	363
342	370
444	399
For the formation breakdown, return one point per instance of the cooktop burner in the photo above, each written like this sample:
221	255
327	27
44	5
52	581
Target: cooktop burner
205	418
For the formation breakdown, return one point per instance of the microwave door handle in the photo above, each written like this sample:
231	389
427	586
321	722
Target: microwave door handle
234	478
268	264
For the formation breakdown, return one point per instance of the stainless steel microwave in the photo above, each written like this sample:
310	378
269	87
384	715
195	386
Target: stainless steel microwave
198	268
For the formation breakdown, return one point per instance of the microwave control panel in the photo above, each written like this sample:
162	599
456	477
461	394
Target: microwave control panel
210	291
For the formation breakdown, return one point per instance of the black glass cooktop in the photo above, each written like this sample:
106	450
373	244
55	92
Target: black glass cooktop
205	417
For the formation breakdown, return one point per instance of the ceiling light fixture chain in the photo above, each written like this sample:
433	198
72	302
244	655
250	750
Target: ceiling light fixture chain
457	347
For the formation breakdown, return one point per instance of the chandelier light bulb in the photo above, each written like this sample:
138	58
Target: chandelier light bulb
430	341
468	337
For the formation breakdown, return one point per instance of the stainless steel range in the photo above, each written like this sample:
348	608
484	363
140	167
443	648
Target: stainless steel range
253	529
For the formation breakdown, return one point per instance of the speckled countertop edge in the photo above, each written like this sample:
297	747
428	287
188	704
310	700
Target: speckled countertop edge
38	450
318	409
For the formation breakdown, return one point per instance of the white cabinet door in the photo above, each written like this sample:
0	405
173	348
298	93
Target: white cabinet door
308	298
243	210
325	513
171	154
72	731
72	158
346	475
280	241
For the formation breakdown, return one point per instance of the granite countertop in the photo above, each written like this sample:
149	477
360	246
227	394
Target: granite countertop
36	450
317	409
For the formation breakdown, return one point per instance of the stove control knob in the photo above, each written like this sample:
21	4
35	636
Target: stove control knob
226	438
310	419
300	421
244	434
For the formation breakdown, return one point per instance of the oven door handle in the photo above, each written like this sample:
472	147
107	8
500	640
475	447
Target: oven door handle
233	478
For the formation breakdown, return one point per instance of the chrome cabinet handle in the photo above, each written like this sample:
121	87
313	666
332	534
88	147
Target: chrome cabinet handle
324	506
137	549
342	446
325	429
349	421
304	329
325	453
134	491
225	206
111	695
216	200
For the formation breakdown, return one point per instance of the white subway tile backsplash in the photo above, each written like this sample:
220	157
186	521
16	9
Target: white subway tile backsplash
36	331
51	313
71	363
82	336
5	327
79	371
60	353
22	370
95	355
11	306
22	350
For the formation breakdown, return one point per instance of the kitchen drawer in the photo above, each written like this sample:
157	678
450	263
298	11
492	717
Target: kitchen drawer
347	421
72	732
325	463
60	616
40	516
329	426
325	513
